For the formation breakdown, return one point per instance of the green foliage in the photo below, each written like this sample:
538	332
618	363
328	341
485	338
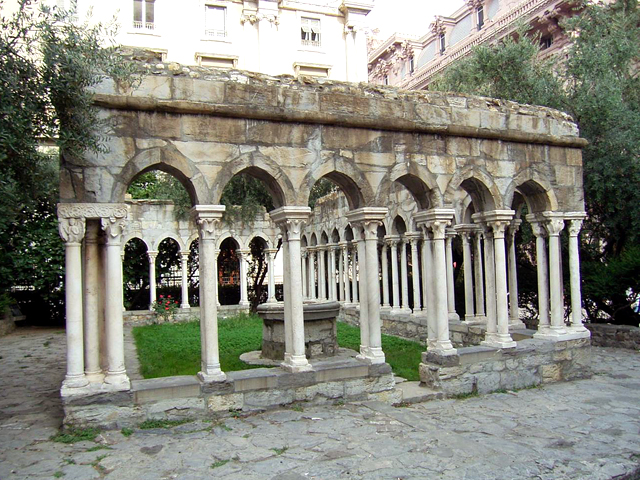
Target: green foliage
165	308
219	463
75	435
150	424
598	85
161	186
126	432
245	197
321	188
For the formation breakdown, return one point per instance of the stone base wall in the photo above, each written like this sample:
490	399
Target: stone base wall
147	317
173	398
482	369
320	338
619	336
398	324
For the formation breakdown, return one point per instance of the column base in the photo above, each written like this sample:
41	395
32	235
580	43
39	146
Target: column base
416	311
498	340
385	308
244	304
561	337
472	320
185	306
443	348
95	377
371	355
75	381
118	380
212	376
516	325
296	364
578	329
454	317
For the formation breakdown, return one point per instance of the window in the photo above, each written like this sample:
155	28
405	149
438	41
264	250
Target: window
215	21
442	43
546	42
217	61
480	13
310	31
411	66
143	14
386	79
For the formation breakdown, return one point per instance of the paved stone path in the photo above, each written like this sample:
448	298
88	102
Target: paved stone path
588	429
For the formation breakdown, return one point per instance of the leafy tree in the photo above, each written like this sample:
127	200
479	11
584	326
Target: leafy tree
598	85
47	66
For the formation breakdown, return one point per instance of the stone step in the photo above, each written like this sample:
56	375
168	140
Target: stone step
412	392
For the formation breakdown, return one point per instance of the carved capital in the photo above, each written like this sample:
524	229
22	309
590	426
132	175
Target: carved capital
574	227
370	228
207	227
252	18
499	228
294	227
243	254
554	226
152	255
71	229
538	229
438	228
113	228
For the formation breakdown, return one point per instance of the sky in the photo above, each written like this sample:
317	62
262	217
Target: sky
408	16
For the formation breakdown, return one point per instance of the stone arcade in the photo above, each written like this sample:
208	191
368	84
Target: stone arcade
466	165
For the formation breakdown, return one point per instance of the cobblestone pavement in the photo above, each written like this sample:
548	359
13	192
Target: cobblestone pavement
588	429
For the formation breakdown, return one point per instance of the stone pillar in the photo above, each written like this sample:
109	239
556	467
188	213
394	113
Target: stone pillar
271	253
479	275
152	255
499	221
114	333
429	295
514	309
305	285
244	274
437	220
368	219
354	273
404	288
345	260
322	273
72	231
451	299
358	236
385	278
540	233
414	237
393	241
92	289
207	218
291	220
554	226
184	260
490	284
332	272
342	264
286	295
465	233
312	272
575	224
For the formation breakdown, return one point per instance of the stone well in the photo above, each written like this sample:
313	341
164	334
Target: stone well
320	331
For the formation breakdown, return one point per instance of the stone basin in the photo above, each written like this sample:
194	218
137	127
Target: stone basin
320	331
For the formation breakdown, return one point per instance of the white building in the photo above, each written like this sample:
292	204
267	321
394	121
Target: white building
313	37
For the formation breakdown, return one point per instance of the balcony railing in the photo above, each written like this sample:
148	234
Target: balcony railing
311	43
143	25
211	32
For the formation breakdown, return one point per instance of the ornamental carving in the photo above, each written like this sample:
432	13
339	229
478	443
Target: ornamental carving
71	229
475	4
272	19
252	18
554	226
113	227
438	27
371	229
396	55
574	227
207	227
538	229
499	228
92	210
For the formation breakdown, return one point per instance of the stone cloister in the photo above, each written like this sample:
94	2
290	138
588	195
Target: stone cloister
415	169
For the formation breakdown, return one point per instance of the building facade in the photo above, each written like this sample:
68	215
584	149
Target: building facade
324	38
414	62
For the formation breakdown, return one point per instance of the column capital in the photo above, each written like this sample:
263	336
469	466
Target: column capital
465	230
291	219
343	245
243	253
436	220
332	246
321	248
113	227
367	214
450	233
574	220
413	238
392	240
312	249
303	252
72	230
152	255
185	256
207	218
499	227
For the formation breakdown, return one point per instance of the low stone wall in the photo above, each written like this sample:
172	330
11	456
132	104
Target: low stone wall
619	336
183	397
480	369
147	317
399	324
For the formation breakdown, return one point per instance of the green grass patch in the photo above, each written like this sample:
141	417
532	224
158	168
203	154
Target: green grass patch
464	396
280	451
219	463
58	474
75	435
149	424
127	432
174	348
98	447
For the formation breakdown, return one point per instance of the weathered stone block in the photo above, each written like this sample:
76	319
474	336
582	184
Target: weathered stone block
551	373
325	390
224	403
154	389
267	398
175	409
254	379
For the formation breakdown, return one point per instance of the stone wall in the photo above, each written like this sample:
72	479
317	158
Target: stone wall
147	317
619	336
481	369
182	397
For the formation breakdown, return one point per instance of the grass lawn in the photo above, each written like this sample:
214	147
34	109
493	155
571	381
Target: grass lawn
174	348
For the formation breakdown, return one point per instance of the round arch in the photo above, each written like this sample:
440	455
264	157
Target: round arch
164	235
480	186
130	236
226	235
263	236
419	181
535	189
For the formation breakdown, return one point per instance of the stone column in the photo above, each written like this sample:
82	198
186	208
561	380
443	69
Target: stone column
72	231
271	253
358	236
514	310
342	264
554	226
207	218
92	290
404	288
332	272
415	270
366	222
184	259
451	299
322	273
429	288
540	233
244	273
345	260
286	295
354	273
575	224
152	255
393	242
385	278
312	272
465	234
499	221
479	275
304	255
291	220
114	333
490	284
